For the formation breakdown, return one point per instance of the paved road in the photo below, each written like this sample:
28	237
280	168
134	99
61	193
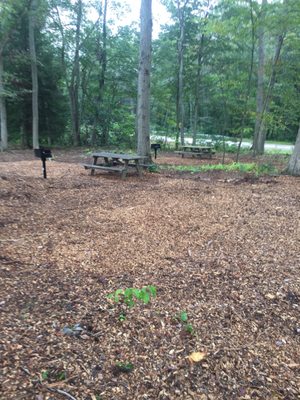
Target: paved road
268	146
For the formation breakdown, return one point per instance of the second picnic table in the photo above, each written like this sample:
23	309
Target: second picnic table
115	162
196	151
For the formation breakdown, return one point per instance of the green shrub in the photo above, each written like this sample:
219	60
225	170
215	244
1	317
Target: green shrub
129	295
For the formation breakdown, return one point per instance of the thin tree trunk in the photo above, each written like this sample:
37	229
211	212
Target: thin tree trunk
75	80
102	59
180	97
294	162
34	74
197	89
247	96
262	129
143	107
3	115
260	78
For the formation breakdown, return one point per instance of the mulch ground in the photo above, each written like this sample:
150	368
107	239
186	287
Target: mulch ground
221	249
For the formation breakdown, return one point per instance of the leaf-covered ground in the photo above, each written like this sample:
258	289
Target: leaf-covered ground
223	251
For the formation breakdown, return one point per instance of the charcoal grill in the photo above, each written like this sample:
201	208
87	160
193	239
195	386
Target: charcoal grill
155	147
43	154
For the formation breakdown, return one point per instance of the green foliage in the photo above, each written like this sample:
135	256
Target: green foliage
61	376
257	169
125	367
122	317
218	49
129	295
189	329
183	316
153	168
184	320
44	375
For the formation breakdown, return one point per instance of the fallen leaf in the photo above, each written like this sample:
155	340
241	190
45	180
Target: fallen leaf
196	357
270	296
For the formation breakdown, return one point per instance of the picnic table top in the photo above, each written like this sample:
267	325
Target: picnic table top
197	146
117	155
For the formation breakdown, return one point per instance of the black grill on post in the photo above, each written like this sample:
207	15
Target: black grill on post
155	147
43	154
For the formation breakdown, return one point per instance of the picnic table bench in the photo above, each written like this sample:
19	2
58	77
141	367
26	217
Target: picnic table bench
115	162
196	151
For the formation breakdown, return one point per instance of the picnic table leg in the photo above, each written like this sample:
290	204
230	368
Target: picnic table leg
94	163
138	168
124	171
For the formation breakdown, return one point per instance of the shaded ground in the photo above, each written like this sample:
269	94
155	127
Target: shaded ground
224	248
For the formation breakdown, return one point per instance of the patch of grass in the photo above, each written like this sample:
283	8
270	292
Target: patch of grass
279	151
256	169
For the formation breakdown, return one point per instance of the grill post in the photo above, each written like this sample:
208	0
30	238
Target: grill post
43	154
155	147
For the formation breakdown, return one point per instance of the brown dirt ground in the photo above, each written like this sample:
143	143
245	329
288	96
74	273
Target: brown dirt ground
222	247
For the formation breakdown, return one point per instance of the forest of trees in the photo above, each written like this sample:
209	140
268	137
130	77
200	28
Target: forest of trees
227	67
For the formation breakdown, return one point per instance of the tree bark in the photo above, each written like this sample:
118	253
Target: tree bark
102	60
180	92
259	125
294	162
197	89
261	137
143	106
248	90
3	116
75	80
34	74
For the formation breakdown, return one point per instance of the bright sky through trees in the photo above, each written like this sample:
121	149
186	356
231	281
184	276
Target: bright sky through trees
159	14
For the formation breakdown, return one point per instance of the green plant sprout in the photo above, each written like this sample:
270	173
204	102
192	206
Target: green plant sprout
44	375
183	318
124	366
129	295
189	329
122	317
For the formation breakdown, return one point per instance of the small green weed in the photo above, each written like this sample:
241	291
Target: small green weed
44	375
125	367
130	295
153	168
183	318
189	329
256	169
122	317
61	376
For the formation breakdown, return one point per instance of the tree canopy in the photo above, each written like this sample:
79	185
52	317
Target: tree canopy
207	69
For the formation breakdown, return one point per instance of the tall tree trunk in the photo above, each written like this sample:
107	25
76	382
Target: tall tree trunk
180	92
3	116
34	74
102	60
248	90
259	125
294	162
75	80
261	138
197	89
143	106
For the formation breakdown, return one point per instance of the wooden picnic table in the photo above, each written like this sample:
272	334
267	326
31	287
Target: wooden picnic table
196	151
115	162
